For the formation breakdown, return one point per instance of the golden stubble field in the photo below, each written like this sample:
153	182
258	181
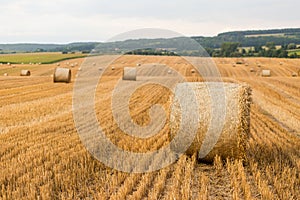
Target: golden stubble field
42	157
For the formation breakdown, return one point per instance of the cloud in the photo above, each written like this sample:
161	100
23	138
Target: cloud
63	21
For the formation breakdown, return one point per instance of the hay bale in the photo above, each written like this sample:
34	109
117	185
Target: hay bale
5	74
62	75
100	69
129	73
8	64
193	71
138	65
266	73
169	71
94	64
112	68
72	65
294	74
25	73
252	70
232	141
58	64
13	66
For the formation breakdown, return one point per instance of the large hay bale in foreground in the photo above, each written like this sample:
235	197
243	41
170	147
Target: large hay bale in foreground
129	73
62	75
266	73
231	143
25	73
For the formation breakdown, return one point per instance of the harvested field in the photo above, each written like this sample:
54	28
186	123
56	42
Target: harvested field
42	157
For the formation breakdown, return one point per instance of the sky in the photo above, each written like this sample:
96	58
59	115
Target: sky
65	21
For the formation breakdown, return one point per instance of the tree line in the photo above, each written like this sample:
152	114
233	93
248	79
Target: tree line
234	49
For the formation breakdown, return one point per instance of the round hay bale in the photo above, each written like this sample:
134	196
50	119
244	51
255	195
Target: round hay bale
231	143
13	66
169	71
129	73
138	65
266	73
25	73
5	74
94	64
294	74
79	69
72	65
58	64
8	64
100	69
112	68
193	71
252	70
62	75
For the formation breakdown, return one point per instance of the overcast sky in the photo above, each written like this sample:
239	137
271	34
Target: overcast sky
64	21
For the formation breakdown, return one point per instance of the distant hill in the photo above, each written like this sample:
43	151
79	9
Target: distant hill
253	38
250	38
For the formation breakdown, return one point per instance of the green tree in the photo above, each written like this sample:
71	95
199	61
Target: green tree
292	46
270	45
229	49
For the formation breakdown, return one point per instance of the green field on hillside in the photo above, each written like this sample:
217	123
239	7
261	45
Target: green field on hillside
43	58
297	51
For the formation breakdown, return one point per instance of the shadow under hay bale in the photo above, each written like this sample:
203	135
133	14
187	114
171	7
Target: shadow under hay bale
62	75
25	73
129	73
231	143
